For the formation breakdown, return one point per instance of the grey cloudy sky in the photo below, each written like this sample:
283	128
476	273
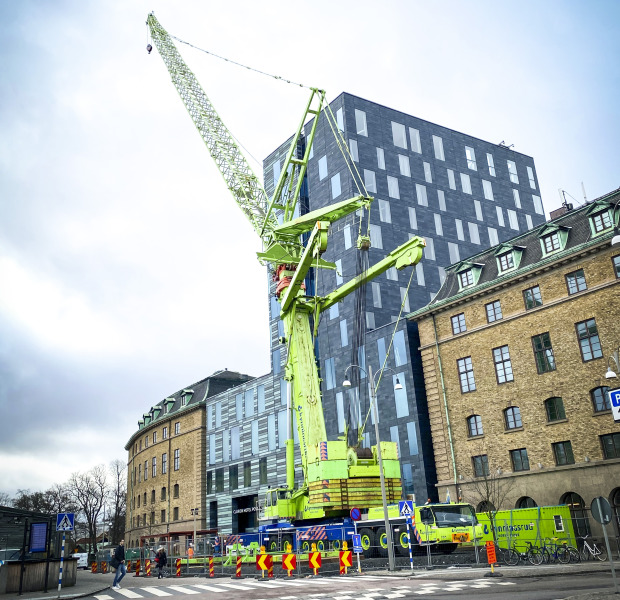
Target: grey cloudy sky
126	270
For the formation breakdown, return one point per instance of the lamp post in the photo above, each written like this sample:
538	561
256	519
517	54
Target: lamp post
195	513
373	396
613	358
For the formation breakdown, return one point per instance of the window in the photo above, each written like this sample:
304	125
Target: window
494	311
247	474
538	207
601	221
282	432
490	164
395	438
589	343
493	238
400	396
481	465
576	281
563	453
543	353
487	190
175	491
428	176
380	158
146	441
478	208
455	256
554	407
218	414
175	513
465	183
146	470
400	349
438	224
152	496
429	250
249	402
506	261
255	438
517	198
451	180
466	278
519	460
551	242
471	158
611	445
338	273
441	200
275	359
413	223
404	295
532	297
530	176
512	171
460	233
405	168
376	294
239	406
219	480
177	459
233	477
438	148
322	168
527	502
512	418
412	439
376	239
177	428
398	135
139	472
512	219
330	374
500	216
344	336
346	231
503	366
393	190
458	323
162	515
277	168
163	492
414	137
466	374
360	123
420	192
391	274
370	320
474	234
616	263
474	426
336	189
600	398
262	470
164	463
154	466
385	215
353	149
271	431
235	443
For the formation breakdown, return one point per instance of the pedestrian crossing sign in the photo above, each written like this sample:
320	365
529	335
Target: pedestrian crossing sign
64	521
405	508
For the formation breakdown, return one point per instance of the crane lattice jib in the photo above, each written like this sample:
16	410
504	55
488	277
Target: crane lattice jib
239	177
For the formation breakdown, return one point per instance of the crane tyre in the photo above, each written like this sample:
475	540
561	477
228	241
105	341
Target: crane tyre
381	545
367	537
286	539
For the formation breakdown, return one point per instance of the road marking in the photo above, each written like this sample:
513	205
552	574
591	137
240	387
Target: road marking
156	591
183	590
128	593
267	584
208	588
236	586
103	597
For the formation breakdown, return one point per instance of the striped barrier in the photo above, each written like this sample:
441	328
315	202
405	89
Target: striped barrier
137	568
104	567
178	567
147	567
93	567
128	566
211	572
238	570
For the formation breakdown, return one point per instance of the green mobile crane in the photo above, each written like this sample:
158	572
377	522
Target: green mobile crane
336	477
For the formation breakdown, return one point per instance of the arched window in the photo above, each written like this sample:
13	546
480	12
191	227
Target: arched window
139	497
485	506
512	417
144	499
526	502
578	512
163	493
176	490
474	425
153	497
554	408
600	400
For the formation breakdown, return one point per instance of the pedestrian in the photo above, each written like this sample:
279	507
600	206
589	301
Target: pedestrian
118	562
161	560
190	551
217	545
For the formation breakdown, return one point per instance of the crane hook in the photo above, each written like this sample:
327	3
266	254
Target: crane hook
149	48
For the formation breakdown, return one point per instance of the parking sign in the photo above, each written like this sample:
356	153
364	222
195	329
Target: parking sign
614	400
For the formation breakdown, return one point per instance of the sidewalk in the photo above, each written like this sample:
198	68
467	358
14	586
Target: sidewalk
88	584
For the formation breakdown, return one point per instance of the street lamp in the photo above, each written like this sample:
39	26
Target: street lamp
613	358
373	397
195	513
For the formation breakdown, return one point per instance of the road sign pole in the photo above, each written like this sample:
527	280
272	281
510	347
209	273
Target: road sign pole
609	554
62	558
409	541
359	566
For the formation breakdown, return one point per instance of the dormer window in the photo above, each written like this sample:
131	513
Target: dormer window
551	242
506	261
466	278
601	221
187	396
468	273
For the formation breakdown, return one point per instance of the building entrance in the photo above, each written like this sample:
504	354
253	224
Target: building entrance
244	517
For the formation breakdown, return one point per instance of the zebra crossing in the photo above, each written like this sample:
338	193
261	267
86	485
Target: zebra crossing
217	586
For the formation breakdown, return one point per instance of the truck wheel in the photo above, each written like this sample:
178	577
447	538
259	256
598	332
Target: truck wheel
272	546
336	544
305	547
402	543
382	547
320	545
286	539
367	538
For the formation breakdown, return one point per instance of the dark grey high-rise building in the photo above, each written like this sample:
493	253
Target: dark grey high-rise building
461	194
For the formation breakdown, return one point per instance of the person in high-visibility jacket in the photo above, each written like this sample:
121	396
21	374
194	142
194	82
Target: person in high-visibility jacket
190	551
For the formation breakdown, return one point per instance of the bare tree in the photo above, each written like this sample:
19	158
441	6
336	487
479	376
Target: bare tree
89	492
5	499
118	500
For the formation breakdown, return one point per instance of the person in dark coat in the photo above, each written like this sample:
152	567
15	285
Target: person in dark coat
121	569
161	560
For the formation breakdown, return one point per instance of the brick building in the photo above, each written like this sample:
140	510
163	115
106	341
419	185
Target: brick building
514	350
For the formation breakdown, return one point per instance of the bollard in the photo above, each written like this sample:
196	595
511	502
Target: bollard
346	559
314	560
104	567
178	567
211	572
93	567
238	570
137	568
128	566
289	563
147	567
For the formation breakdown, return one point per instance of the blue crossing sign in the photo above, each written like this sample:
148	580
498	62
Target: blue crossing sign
614	400
405	508
64	521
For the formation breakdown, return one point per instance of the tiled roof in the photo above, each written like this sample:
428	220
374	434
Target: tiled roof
574	224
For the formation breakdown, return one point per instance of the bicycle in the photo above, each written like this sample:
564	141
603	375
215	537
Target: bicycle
593	551
552	551
533	554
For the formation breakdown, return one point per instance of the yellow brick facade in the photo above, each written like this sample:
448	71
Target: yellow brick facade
591	475
166	515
